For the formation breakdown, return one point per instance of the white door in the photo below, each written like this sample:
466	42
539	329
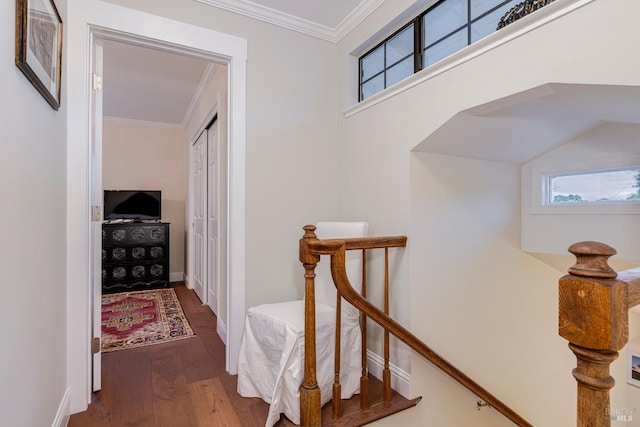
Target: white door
199	179
212	217
96	220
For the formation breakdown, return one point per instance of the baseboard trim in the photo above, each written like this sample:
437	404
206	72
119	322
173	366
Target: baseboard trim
64	410
176	277
221	328
400	379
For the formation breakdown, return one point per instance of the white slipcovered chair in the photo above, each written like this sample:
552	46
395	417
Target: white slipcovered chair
271	362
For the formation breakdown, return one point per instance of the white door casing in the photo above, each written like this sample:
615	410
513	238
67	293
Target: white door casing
213	203
199	221
96	203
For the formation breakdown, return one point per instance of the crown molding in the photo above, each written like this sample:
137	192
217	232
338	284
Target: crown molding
144	123
357	15
295	23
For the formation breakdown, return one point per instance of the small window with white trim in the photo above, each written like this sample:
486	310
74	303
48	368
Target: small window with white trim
599	186
603	186
609	185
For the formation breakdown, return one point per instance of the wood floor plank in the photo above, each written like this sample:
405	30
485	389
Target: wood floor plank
171	395
212	405
133	398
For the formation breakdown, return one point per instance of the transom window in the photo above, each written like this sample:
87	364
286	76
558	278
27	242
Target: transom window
604	186
441	30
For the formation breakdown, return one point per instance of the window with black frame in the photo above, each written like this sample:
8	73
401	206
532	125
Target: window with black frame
445	28
389	62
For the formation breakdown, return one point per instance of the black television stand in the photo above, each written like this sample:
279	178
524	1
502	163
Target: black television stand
135	256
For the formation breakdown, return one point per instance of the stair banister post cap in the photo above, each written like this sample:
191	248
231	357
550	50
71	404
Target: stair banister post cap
591	260
305	255
309	232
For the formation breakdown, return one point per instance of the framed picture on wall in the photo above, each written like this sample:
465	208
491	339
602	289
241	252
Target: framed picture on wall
39	46
633	363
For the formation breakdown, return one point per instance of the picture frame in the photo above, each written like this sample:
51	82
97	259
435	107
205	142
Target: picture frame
39	46
633	363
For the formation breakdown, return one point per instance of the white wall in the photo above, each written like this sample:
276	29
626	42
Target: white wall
136	157
465	287
33	262
610	142
488	308
291	140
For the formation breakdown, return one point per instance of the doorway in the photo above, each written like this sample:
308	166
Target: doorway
84	25
152	103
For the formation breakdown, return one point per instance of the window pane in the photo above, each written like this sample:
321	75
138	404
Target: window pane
371	87
446	47
478	7
401	71
489	24
444	19
400	46
373	63
607	186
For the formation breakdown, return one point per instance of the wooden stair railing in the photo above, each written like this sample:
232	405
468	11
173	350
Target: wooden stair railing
594	303
311	248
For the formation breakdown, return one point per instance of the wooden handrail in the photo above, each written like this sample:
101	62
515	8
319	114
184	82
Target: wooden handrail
310	250
632	278
593	316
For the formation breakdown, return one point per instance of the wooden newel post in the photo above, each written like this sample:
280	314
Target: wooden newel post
593	317
310	403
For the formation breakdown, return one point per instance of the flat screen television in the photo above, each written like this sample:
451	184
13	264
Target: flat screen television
132	204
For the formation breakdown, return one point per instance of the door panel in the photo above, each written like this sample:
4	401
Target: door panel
199	216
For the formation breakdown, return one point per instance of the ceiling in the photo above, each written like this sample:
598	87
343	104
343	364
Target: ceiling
329	19
149	86
520	127
328	13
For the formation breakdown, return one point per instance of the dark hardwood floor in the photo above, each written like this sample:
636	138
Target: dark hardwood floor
181	383
177	384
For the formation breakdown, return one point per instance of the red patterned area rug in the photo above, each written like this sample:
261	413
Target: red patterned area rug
136	319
